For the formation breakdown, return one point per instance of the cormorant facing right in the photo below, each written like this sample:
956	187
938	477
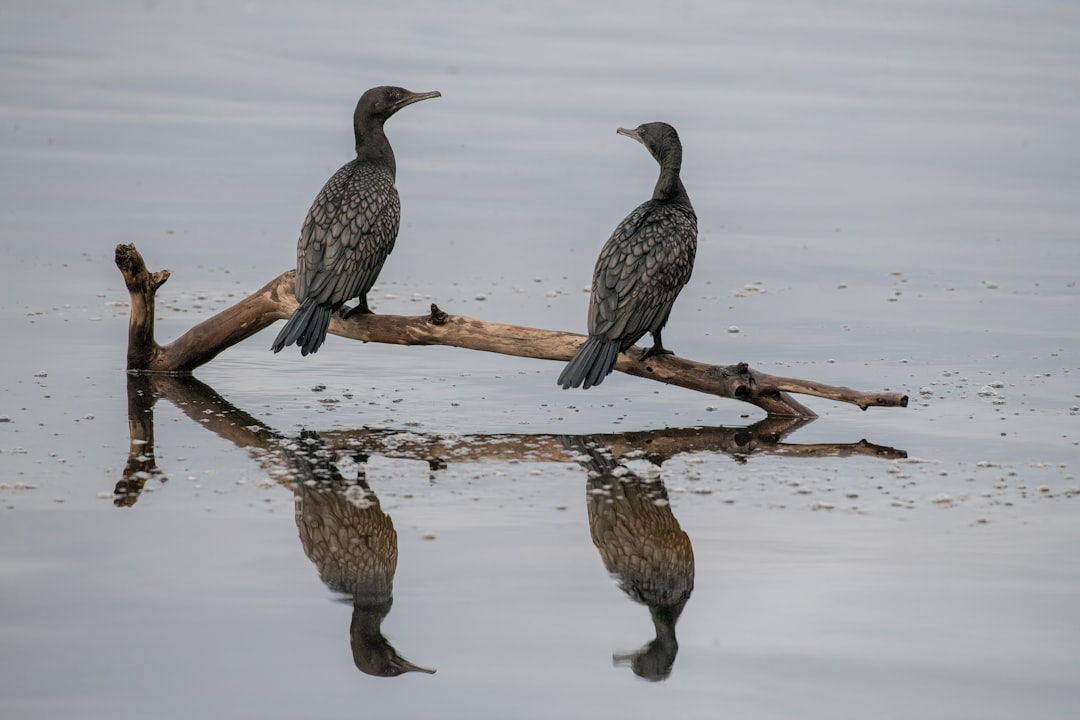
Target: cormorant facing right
351	227
641	268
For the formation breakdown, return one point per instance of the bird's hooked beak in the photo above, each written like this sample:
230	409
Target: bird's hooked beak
415	98
630	134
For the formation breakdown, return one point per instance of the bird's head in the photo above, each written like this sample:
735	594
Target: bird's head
372	652
382	102
659	138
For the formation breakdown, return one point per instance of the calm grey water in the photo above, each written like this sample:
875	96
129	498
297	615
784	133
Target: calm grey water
888	197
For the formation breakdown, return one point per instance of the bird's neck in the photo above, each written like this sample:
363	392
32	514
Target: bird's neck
373	147
664	618
669	185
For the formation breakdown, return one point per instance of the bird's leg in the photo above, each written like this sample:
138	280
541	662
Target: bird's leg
362	309
656	349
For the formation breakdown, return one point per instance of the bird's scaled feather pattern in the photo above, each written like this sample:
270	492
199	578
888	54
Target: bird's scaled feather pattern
347	235
640	271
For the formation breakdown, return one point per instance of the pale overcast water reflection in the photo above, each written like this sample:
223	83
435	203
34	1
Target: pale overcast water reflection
888	199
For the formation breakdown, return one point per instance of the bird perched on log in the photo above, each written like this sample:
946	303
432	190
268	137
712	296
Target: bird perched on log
351	227
641	268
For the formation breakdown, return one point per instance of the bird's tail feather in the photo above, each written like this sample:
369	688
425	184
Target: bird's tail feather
307	328
593	362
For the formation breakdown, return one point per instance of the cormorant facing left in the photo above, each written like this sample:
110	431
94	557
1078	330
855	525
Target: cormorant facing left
351	227
641	268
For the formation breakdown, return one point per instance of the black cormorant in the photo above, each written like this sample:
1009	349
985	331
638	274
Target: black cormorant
641	268
351	227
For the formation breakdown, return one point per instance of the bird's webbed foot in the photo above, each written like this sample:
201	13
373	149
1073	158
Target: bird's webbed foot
656	349
361	309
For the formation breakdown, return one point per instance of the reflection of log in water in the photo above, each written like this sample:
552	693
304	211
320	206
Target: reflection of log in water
211	411
353	544
199	402
763	437
141	463
642	545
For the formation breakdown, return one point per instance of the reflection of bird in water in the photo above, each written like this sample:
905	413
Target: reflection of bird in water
351	227
641	268
642	545
354	545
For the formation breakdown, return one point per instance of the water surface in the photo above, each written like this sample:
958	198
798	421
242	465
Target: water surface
887	198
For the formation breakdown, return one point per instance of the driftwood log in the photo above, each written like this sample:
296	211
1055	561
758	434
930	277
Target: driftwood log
276	301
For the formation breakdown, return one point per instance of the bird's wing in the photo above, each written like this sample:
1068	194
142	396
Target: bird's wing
347	235
641	270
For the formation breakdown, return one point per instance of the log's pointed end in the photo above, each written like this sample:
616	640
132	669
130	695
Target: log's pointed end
888	400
